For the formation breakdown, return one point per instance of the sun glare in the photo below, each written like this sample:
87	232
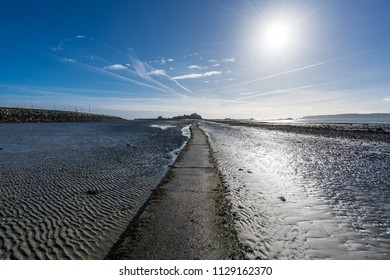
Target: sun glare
278	36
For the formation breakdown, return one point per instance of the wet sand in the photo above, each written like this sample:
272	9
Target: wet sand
69	190
297	195
275	200
188	217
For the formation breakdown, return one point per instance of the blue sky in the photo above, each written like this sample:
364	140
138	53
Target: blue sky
219	58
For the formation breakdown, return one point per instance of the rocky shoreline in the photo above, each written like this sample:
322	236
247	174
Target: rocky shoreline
23	115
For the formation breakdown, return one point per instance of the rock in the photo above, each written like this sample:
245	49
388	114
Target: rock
93	192
282	198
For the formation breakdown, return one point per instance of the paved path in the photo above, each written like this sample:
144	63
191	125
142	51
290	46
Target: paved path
183	219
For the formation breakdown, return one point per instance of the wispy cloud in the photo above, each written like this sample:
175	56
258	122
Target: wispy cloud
387	99
65	59
90	57
194	67
80	37
68	91
200	53
115	67
248	93
77	37
216	63
143	70
158	72
40	89
229	60
163	60
253	94
294	70
117	76
136	72
60	46
195	76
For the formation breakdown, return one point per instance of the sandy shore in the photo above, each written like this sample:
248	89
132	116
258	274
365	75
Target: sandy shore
301	195
269	212
74	201
69	190
188	217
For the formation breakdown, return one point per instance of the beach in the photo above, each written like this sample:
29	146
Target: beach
252	191
69	190
306	191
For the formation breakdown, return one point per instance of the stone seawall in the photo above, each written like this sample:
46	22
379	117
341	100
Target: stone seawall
21	115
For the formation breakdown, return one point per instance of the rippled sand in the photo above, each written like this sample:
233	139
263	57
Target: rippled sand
67	191
301	196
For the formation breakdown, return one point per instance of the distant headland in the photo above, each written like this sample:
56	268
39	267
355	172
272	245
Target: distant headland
23	115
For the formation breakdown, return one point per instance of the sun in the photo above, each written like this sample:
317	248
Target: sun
278	36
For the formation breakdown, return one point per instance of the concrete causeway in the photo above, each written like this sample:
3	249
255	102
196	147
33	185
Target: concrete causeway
183	218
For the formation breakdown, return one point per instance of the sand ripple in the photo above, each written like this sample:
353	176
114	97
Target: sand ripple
67	191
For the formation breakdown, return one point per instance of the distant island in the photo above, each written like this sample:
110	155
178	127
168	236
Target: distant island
350	116
193	116
23	115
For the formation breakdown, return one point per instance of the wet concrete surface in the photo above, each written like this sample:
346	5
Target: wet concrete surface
182	219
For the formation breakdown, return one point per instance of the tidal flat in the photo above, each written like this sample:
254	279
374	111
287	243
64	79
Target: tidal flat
302	193
69	190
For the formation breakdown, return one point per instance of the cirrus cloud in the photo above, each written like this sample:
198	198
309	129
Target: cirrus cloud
193	67
228	60
65	59
115	67
195	76
158	72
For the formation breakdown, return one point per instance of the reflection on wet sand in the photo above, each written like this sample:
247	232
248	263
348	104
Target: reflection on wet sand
304	196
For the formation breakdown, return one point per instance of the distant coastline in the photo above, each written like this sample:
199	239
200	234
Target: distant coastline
23	115
349	116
